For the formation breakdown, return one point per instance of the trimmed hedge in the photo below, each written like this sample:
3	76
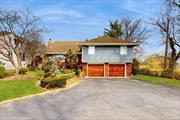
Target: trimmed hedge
46	68
58	81
158	73
22	70
2	72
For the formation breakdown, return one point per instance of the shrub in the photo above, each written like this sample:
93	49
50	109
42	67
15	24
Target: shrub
177	75
58	81
47	74
135	66
144	71
2	72
61	70
22	70
47	68
31	68
167	74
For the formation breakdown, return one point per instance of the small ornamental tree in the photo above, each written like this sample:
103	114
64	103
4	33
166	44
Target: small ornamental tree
71	58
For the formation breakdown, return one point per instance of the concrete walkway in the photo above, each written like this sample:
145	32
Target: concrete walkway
99	99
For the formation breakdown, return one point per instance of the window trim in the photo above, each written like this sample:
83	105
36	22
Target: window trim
123	50
91	50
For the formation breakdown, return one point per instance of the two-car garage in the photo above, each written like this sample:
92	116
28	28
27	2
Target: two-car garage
106	70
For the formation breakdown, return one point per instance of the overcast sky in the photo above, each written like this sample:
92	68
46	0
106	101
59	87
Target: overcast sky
85	19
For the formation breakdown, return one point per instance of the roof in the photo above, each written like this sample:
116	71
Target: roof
61	47
4	33
107	41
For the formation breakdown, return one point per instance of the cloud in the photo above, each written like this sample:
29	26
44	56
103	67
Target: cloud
145	8
60	12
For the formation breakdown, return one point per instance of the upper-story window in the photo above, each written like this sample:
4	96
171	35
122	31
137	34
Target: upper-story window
123	50
91	50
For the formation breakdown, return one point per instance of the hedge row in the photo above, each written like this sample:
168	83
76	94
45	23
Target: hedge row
158	73
2	72
58	81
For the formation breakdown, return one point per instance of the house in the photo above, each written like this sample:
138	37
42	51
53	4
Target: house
107	57
100	57
58	49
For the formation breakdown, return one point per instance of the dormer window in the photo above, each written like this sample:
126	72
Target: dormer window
123	50
91	50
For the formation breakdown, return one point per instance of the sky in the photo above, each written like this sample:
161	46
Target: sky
74	20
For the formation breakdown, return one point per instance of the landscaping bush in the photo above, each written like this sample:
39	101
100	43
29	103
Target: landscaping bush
47	68
58	81
22	70
61	70
2	72
47	74
144	71
166	73
31	68
177	75
135	66
156	73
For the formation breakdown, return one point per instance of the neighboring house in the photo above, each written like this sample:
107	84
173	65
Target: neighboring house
7	64
59	49
101	57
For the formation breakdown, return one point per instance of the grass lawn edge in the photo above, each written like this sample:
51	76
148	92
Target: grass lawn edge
157	80
52	91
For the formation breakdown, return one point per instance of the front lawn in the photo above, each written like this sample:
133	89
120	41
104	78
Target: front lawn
17	88
157	80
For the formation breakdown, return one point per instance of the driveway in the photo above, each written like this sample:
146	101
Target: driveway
100	99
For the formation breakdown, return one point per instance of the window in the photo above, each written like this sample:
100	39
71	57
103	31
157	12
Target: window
123	50
91	50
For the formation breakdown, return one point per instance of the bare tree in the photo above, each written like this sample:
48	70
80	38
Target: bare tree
18	25
133	30
34	47
169	24
172	3
163	22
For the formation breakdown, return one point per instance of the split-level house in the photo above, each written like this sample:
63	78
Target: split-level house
103	56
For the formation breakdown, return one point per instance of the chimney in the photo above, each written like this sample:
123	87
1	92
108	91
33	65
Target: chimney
49	42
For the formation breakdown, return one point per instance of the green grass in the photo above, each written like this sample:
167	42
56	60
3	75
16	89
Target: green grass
10	89
158	80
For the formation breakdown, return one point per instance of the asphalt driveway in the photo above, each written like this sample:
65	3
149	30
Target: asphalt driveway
100	99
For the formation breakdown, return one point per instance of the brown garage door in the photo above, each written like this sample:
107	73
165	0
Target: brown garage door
116	70
96	70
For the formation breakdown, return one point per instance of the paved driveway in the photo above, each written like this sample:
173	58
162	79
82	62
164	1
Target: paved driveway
100	99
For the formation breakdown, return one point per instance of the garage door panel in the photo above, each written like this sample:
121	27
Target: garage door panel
116	70
96	70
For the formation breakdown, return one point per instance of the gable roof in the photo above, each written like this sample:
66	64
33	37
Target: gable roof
61	47
106	41
4	33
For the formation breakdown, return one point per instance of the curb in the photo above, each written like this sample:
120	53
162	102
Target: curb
39	94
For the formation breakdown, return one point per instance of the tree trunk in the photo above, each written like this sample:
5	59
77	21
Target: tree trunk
173	57
166	46
172	67
16	67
